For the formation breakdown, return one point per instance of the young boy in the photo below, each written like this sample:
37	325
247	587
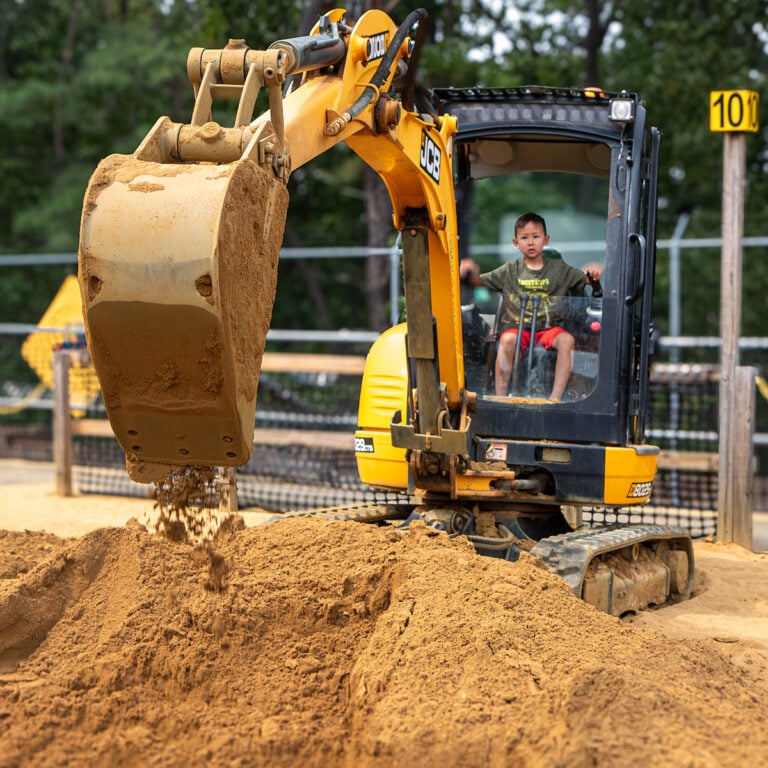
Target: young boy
535	275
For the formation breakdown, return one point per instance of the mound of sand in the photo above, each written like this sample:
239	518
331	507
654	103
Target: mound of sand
316	643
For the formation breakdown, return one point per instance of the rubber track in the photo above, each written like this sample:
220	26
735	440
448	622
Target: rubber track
569	554
365	513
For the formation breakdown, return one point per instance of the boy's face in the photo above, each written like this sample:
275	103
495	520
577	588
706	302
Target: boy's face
530	240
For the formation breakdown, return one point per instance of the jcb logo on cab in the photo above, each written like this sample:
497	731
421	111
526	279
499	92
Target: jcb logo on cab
430	157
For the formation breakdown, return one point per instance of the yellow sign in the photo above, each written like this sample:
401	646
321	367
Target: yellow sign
65	314
733	111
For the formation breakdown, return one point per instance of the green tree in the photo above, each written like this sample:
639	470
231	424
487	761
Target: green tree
674	56
80	79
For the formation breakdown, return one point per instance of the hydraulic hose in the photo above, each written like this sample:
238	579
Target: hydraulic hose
381	73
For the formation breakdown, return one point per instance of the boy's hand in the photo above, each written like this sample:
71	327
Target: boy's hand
593	271
469	272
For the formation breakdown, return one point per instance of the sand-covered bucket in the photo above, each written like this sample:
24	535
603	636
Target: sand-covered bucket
178	268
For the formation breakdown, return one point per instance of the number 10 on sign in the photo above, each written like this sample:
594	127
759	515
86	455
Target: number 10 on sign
733	111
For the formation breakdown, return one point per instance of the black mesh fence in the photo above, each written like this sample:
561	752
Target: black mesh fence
299	473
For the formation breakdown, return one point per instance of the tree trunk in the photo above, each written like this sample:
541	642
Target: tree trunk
67	55
593	40
379	212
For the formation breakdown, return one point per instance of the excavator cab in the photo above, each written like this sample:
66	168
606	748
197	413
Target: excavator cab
592	154
574	174
524	145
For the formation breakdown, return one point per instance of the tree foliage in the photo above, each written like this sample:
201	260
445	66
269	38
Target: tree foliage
80	79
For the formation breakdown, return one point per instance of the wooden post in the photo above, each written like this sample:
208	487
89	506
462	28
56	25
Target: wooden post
228	486
734	514
733	113
62	426
730	408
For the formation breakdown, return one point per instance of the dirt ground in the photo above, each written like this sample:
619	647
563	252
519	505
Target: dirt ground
317	643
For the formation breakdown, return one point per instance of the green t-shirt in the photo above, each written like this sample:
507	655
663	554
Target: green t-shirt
554	279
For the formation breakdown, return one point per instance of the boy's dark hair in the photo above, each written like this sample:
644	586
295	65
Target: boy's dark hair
530	218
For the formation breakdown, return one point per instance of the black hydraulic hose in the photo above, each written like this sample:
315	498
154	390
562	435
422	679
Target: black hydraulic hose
381	73
534	323
408	85
519	342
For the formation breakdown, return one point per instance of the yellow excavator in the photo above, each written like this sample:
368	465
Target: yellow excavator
178	264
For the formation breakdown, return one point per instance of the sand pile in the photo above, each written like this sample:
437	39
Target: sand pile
317	643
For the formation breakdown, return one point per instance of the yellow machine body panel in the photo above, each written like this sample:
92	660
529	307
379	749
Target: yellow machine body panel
383	392
629	474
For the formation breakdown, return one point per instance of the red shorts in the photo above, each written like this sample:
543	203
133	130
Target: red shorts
543	338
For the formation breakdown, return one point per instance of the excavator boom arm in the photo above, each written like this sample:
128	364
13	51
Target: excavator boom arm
180	240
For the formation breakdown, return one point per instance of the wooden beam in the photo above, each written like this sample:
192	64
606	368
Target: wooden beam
275	362
313	438
689	461
92	428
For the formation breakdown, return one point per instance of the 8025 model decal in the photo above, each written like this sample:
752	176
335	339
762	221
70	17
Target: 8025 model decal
364	445
638	490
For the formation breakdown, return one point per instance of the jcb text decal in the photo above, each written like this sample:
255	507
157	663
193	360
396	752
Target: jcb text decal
430	157
639	490
376	46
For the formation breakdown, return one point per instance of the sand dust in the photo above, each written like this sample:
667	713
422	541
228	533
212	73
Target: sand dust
318	643
187	504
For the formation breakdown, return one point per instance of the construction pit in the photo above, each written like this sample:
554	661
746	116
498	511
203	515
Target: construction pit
318	643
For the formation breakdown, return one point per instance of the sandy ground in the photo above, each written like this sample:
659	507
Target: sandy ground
729	609
359	635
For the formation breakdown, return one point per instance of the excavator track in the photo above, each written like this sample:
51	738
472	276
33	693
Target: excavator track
624	568
359	513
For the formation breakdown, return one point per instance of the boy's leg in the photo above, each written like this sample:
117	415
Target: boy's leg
564	344
504	359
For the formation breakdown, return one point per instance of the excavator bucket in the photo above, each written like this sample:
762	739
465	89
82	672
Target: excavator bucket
178	268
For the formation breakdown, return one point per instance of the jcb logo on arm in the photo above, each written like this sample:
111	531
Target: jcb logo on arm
376	46
430	157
